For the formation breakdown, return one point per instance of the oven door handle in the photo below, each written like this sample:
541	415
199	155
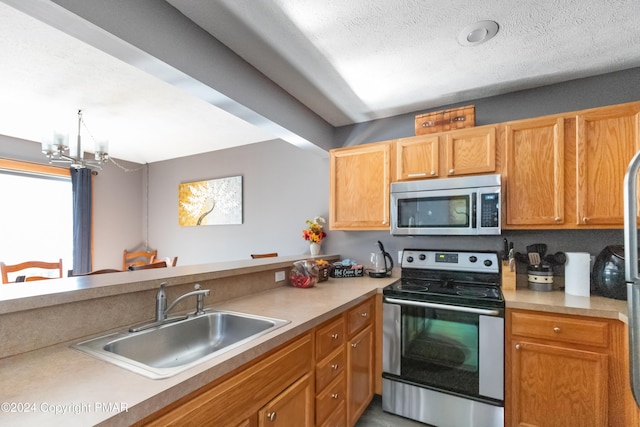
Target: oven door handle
484	311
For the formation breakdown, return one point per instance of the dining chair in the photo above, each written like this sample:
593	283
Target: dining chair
159	264
171	261
41	265
137	258
268	255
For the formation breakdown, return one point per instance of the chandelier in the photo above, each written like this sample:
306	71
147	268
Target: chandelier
57	150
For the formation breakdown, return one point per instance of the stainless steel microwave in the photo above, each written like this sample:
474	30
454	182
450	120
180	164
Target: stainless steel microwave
448	206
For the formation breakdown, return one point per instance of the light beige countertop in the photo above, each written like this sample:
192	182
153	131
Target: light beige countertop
58	385
561	302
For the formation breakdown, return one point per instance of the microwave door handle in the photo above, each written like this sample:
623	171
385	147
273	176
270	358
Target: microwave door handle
425	304
474	211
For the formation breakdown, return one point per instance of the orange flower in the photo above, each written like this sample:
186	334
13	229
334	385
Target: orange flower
314	233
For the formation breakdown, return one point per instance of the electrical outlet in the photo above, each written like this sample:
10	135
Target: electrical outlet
279	276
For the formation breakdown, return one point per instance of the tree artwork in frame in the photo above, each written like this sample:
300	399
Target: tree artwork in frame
211	202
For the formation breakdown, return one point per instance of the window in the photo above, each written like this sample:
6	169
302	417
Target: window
36	219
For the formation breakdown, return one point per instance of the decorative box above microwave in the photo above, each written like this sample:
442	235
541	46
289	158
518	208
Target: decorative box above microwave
449	206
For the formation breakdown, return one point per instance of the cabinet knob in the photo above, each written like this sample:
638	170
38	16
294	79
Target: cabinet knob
451	171
354	345
363	314
384	222
335	336
585	219
556	329
557	219
271	416
517	346
432	173
335	366
335	396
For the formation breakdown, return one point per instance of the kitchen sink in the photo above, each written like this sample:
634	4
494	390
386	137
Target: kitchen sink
170	348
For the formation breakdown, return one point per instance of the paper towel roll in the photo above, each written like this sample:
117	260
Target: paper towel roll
577	274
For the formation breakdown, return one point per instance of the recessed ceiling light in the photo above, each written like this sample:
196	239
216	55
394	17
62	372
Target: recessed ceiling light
477	33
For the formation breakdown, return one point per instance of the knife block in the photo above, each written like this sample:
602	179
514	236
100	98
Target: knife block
508	277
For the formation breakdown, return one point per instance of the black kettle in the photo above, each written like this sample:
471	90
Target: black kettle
381	263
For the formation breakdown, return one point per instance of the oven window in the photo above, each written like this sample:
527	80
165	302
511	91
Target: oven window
440	349
434	212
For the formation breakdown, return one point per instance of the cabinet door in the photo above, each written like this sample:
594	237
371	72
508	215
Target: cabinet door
360	374
471	151
292	407
417	158
607	139
556	386
535	172
359	187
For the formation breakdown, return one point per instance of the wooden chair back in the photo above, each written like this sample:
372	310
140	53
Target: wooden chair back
171	262
159	264
102	271
13	268
137	258
269	255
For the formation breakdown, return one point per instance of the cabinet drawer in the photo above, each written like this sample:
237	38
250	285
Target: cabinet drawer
329	369
359	316
329	337
564	329
338	418
330	399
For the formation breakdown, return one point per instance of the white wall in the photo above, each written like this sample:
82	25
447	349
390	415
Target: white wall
282	187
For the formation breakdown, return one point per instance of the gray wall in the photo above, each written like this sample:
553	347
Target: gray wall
282	187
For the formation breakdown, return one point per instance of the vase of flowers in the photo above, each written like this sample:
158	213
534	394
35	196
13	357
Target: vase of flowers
314	233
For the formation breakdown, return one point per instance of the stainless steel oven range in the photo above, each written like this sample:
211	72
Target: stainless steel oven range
443	339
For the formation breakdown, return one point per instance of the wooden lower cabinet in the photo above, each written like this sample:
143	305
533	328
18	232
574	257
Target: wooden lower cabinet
360	363
564	370
293	407
345	363
279	383
323	378
571	385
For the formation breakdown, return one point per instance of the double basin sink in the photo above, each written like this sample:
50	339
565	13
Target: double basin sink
165	350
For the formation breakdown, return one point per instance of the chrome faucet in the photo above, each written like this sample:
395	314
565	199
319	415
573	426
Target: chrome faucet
162	310
161	301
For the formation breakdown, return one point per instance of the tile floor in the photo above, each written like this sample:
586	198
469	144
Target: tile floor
375	417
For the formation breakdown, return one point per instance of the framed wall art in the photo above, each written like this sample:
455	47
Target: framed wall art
211	202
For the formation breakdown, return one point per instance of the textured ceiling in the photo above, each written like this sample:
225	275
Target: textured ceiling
348	61
357	60
48	75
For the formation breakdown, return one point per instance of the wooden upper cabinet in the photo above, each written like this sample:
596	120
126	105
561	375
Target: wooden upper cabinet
535	171
417	157
455	153
360	178
607	139
471	151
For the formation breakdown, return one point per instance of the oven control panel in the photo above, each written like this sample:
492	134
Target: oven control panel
487	262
